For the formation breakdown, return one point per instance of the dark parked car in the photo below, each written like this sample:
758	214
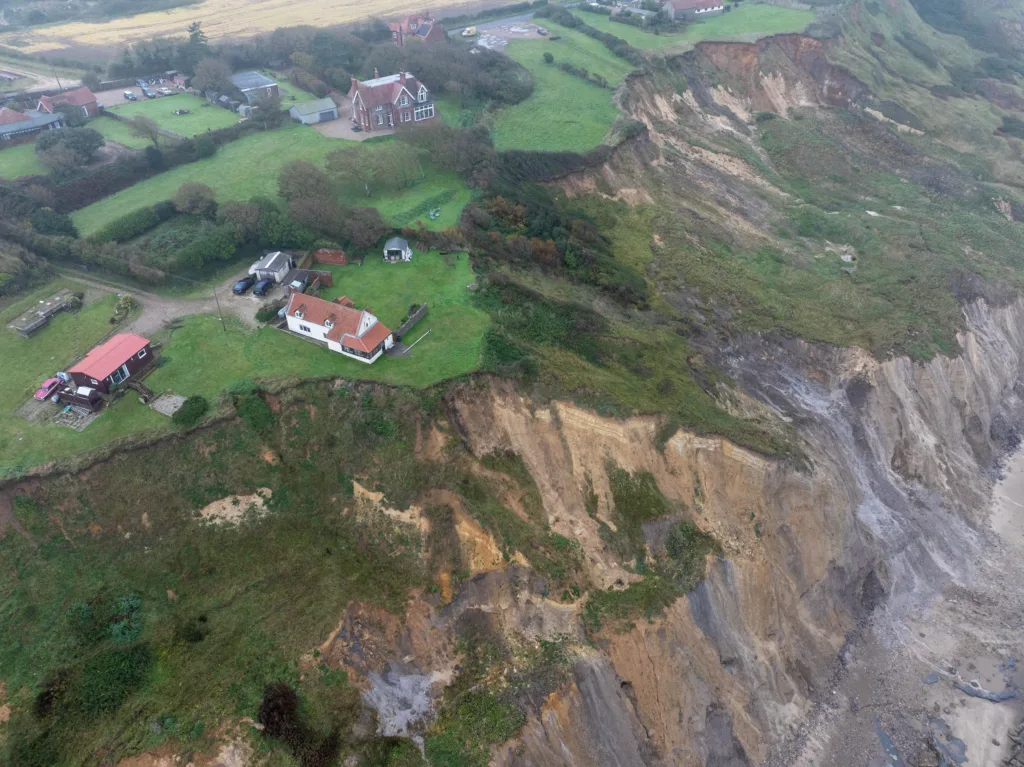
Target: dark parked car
129	96
263	287
148	93
242	286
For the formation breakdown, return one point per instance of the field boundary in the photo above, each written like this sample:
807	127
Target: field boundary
104	112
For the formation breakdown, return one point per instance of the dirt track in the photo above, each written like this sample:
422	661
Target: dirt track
157	311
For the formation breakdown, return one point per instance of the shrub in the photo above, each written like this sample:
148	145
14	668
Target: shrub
165	210
268	312
83	141
196	199
548	58
219	245
191	412
109	678
254	411
49	221
127	226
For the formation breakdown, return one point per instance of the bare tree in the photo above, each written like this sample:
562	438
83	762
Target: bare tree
353	166
144	127
212	74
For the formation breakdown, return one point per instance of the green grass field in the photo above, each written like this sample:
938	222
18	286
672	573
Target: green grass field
742	22
18	161
31	361
250	166
201	358
206	360
204	115
114	130
289	93
563	112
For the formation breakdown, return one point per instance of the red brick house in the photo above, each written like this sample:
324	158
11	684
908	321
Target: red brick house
112	362
421	28
82	98
391	102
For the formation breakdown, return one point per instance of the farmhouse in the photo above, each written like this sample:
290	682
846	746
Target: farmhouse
254	86
112	362
422	28
312	112
384	102
356	333
273	266
18	127
396	249
680	9
81	99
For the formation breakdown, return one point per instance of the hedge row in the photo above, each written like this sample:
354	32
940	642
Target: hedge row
616	45
133	224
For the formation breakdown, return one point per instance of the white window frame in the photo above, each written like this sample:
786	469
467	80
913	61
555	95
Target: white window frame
422	93
380	119
142	354
379	108
404	101
424	112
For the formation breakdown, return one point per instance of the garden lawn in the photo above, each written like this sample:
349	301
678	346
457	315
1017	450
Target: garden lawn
204	115
250	166
563	113
29	362
742	22
114	130
749	21
20	160
290	94
203	359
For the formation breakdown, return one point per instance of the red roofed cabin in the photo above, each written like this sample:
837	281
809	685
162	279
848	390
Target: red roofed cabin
112	362
384	103
81	98
356	333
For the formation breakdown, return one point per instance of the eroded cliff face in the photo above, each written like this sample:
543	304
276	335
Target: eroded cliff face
884	512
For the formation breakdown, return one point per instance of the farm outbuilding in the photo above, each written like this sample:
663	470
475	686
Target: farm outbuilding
396	249
312	112
274	266
254	86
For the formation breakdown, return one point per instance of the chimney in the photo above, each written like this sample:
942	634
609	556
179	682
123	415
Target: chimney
402	78
376	73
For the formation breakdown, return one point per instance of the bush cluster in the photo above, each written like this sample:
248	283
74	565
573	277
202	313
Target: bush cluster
127	226
190	412
616	45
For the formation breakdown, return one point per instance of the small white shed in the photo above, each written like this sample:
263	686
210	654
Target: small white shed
274	266
396	249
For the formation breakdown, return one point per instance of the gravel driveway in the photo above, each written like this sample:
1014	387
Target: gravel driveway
158	311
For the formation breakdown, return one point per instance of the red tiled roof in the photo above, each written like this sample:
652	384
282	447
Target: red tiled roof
104	359
10	116
385	93
369	340
345	319
79	97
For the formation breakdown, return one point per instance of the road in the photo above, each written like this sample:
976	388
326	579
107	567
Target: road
483	27
158	311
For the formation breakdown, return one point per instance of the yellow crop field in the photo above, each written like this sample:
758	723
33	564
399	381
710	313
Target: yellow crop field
220	18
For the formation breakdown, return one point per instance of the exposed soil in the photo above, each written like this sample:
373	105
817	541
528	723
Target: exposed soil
232	509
